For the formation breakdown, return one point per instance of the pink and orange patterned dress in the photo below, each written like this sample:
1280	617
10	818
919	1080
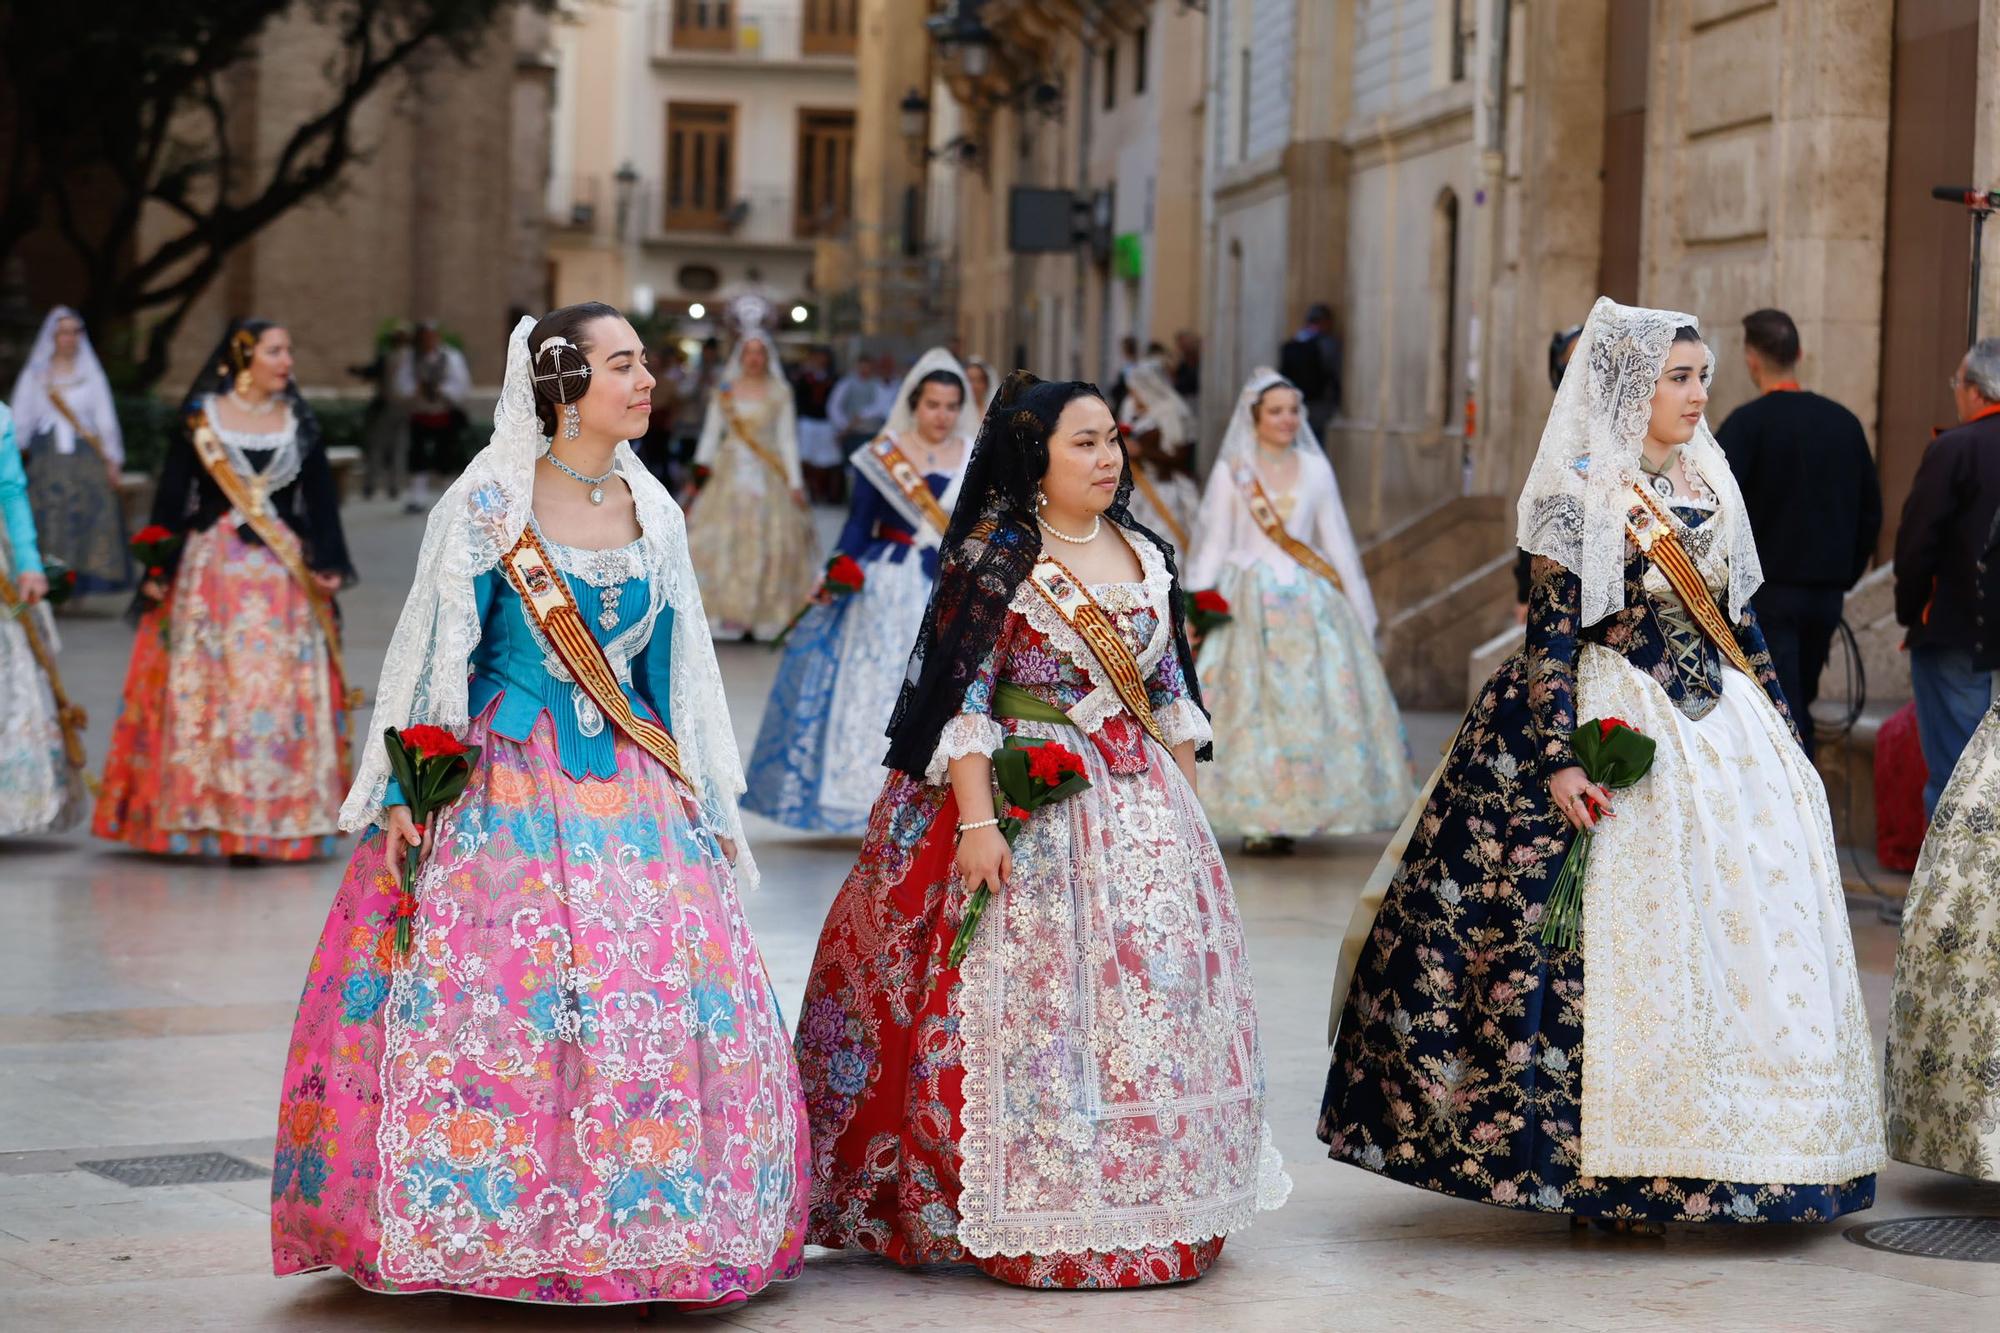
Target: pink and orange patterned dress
577	1088
1082	1103
231	737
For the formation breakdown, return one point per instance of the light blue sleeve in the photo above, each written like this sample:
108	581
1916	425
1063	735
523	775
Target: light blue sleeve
14	511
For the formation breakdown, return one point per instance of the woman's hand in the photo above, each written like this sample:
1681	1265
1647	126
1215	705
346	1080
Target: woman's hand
728	848
33	587
984	858
1581	801
402	829
328	583
799	498
153	590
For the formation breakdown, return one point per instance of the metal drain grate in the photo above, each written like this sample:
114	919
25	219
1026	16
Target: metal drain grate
1973	1240
190	1168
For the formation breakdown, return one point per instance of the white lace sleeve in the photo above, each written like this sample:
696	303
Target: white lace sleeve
968	733
1182	720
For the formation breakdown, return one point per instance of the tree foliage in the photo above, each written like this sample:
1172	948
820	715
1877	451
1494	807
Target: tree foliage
123	106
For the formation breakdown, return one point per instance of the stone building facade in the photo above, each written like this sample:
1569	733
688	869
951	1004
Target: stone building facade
441	219
702	151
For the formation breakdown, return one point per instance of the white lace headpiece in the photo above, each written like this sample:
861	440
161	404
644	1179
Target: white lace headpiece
903	419
774	367
1574	505
472	527
34	413
992	383
1168	410
1239	452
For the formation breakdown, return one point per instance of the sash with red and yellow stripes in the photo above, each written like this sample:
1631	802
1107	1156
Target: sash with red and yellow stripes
555	613
882	460
1072	601
1654	533
253	507
1266	516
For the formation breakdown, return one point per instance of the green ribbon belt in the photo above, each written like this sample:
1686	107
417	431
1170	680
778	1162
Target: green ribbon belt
1013	701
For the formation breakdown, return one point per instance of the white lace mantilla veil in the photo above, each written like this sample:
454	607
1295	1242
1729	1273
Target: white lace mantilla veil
992	388
1239	451
34	413
1573	508
478	520
780	389
1168	410
903	419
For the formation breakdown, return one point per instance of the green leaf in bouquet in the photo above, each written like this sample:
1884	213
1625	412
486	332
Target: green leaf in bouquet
1010	769
400	766
1615	761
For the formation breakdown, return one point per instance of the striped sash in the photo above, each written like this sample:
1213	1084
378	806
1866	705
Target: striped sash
742	431
1153	498
891	472
254	509
1266	516
1653	530
555	613
1065	592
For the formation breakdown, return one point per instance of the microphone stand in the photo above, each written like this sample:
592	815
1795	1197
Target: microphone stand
1979	205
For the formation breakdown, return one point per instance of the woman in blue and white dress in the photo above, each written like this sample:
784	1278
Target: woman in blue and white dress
818	761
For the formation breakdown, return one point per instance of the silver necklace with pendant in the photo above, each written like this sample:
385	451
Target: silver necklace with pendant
596	484
1659	477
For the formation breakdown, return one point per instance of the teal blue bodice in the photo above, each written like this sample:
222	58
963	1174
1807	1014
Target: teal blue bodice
521	680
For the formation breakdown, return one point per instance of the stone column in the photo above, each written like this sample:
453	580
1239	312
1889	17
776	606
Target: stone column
894	58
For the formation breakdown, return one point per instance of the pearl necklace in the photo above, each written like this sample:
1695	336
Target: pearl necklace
596	484
1096	524
248	408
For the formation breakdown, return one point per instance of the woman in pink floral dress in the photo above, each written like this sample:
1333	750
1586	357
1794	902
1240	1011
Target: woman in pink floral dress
576	1086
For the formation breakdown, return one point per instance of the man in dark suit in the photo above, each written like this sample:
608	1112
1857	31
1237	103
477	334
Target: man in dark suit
1946	523
1310	359
1814	501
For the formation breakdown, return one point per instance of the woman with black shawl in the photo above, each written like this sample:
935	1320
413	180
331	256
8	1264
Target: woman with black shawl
1081	1101
232	738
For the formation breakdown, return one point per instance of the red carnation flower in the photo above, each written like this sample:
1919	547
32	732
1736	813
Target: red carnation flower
1020	812
428	742
1211	601
151	533
1054	764
844	570
1607	725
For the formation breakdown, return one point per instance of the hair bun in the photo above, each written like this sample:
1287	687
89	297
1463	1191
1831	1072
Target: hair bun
1017	384
561	372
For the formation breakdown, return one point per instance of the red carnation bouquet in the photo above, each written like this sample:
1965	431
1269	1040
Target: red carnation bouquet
1206	610
1612	753
153	547
432	766
843	578
1031	773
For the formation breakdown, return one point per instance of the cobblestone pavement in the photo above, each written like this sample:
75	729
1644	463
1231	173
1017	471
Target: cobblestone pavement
145	1005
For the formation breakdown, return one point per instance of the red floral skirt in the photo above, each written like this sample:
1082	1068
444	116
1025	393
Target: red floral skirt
885	1147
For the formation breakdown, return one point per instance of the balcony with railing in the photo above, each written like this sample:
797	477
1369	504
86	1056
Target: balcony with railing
803	34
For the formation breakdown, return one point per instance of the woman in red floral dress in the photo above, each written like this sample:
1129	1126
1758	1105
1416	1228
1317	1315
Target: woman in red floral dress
1081	1103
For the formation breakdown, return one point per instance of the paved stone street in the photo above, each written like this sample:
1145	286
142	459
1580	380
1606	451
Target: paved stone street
145	1005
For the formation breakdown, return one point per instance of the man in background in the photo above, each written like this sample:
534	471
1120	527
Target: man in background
1311	360
1946	522
1815	506
434	382
861	402
825	467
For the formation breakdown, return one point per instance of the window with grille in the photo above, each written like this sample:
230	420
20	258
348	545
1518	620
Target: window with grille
704	25
825	195
701	164
830	27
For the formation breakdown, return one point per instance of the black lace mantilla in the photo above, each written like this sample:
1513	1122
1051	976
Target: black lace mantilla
992	544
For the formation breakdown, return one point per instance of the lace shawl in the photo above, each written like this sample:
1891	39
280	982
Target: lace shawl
1573	508
482	515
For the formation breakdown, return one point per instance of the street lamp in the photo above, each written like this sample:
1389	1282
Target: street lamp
799	314
915	114
626	178
960	32
697	311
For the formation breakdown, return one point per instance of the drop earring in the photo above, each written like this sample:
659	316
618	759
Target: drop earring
243	384
572	421
1041	498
